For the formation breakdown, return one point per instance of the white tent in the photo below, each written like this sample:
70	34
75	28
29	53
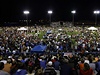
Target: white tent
92	28
60	29
22	28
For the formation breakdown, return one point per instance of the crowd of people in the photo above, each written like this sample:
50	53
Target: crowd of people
16	57
46	64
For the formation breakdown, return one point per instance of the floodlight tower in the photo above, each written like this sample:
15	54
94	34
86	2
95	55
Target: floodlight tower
26	12
73	12
96	12
50	13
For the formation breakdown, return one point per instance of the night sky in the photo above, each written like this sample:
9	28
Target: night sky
12	10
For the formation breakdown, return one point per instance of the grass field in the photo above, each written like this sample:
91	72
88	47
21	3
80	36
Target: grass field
43	33
73	40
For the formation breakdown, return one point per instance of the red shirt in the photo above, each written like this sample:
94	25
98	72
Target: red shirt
87	72
81	66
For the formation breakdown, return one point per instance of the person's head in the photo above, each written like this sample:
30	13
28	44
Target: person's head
20	65
82	60
30	69
1	65
14	63
86	66
9	60
39	72
49	63
56	59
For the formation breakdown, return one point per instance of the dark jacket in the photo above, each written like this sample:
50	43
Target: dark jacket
65	69
98	66
49	71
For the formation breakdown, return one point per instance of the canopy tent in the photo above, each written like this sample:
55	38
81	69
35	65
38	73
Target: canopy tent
60	29
92	28
22	28
39	48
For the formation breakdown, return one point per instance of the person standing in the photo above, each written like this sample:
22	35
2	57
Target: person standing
86	70
66	69
98	67
1	69
7	66
49	70
56	65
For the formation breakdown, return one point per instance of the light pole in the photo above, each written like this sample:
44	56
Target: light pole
26	12
83	26
96	12
50	13
73	12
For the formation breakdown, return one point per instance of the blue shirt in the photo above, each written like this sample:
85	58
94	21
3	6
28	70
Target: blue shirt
56	65
43	64
21	72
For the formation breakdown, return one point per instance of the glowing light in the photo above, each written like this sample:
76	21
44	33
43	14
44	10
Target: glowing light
50	12
96	12
73	12
26	12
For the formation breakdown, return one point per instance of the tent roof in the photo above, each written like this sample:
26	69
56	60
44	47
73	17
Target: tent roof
92	28
60	29
39	48
22	28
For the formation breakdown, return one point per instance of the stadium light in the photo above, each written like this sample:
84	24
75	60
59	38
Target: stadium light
73	12
50	12
96	12
26	12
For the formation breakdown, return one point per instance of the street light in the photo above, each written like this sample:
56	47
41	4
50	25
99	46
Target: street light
96	12
50	12
73	12
26	12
